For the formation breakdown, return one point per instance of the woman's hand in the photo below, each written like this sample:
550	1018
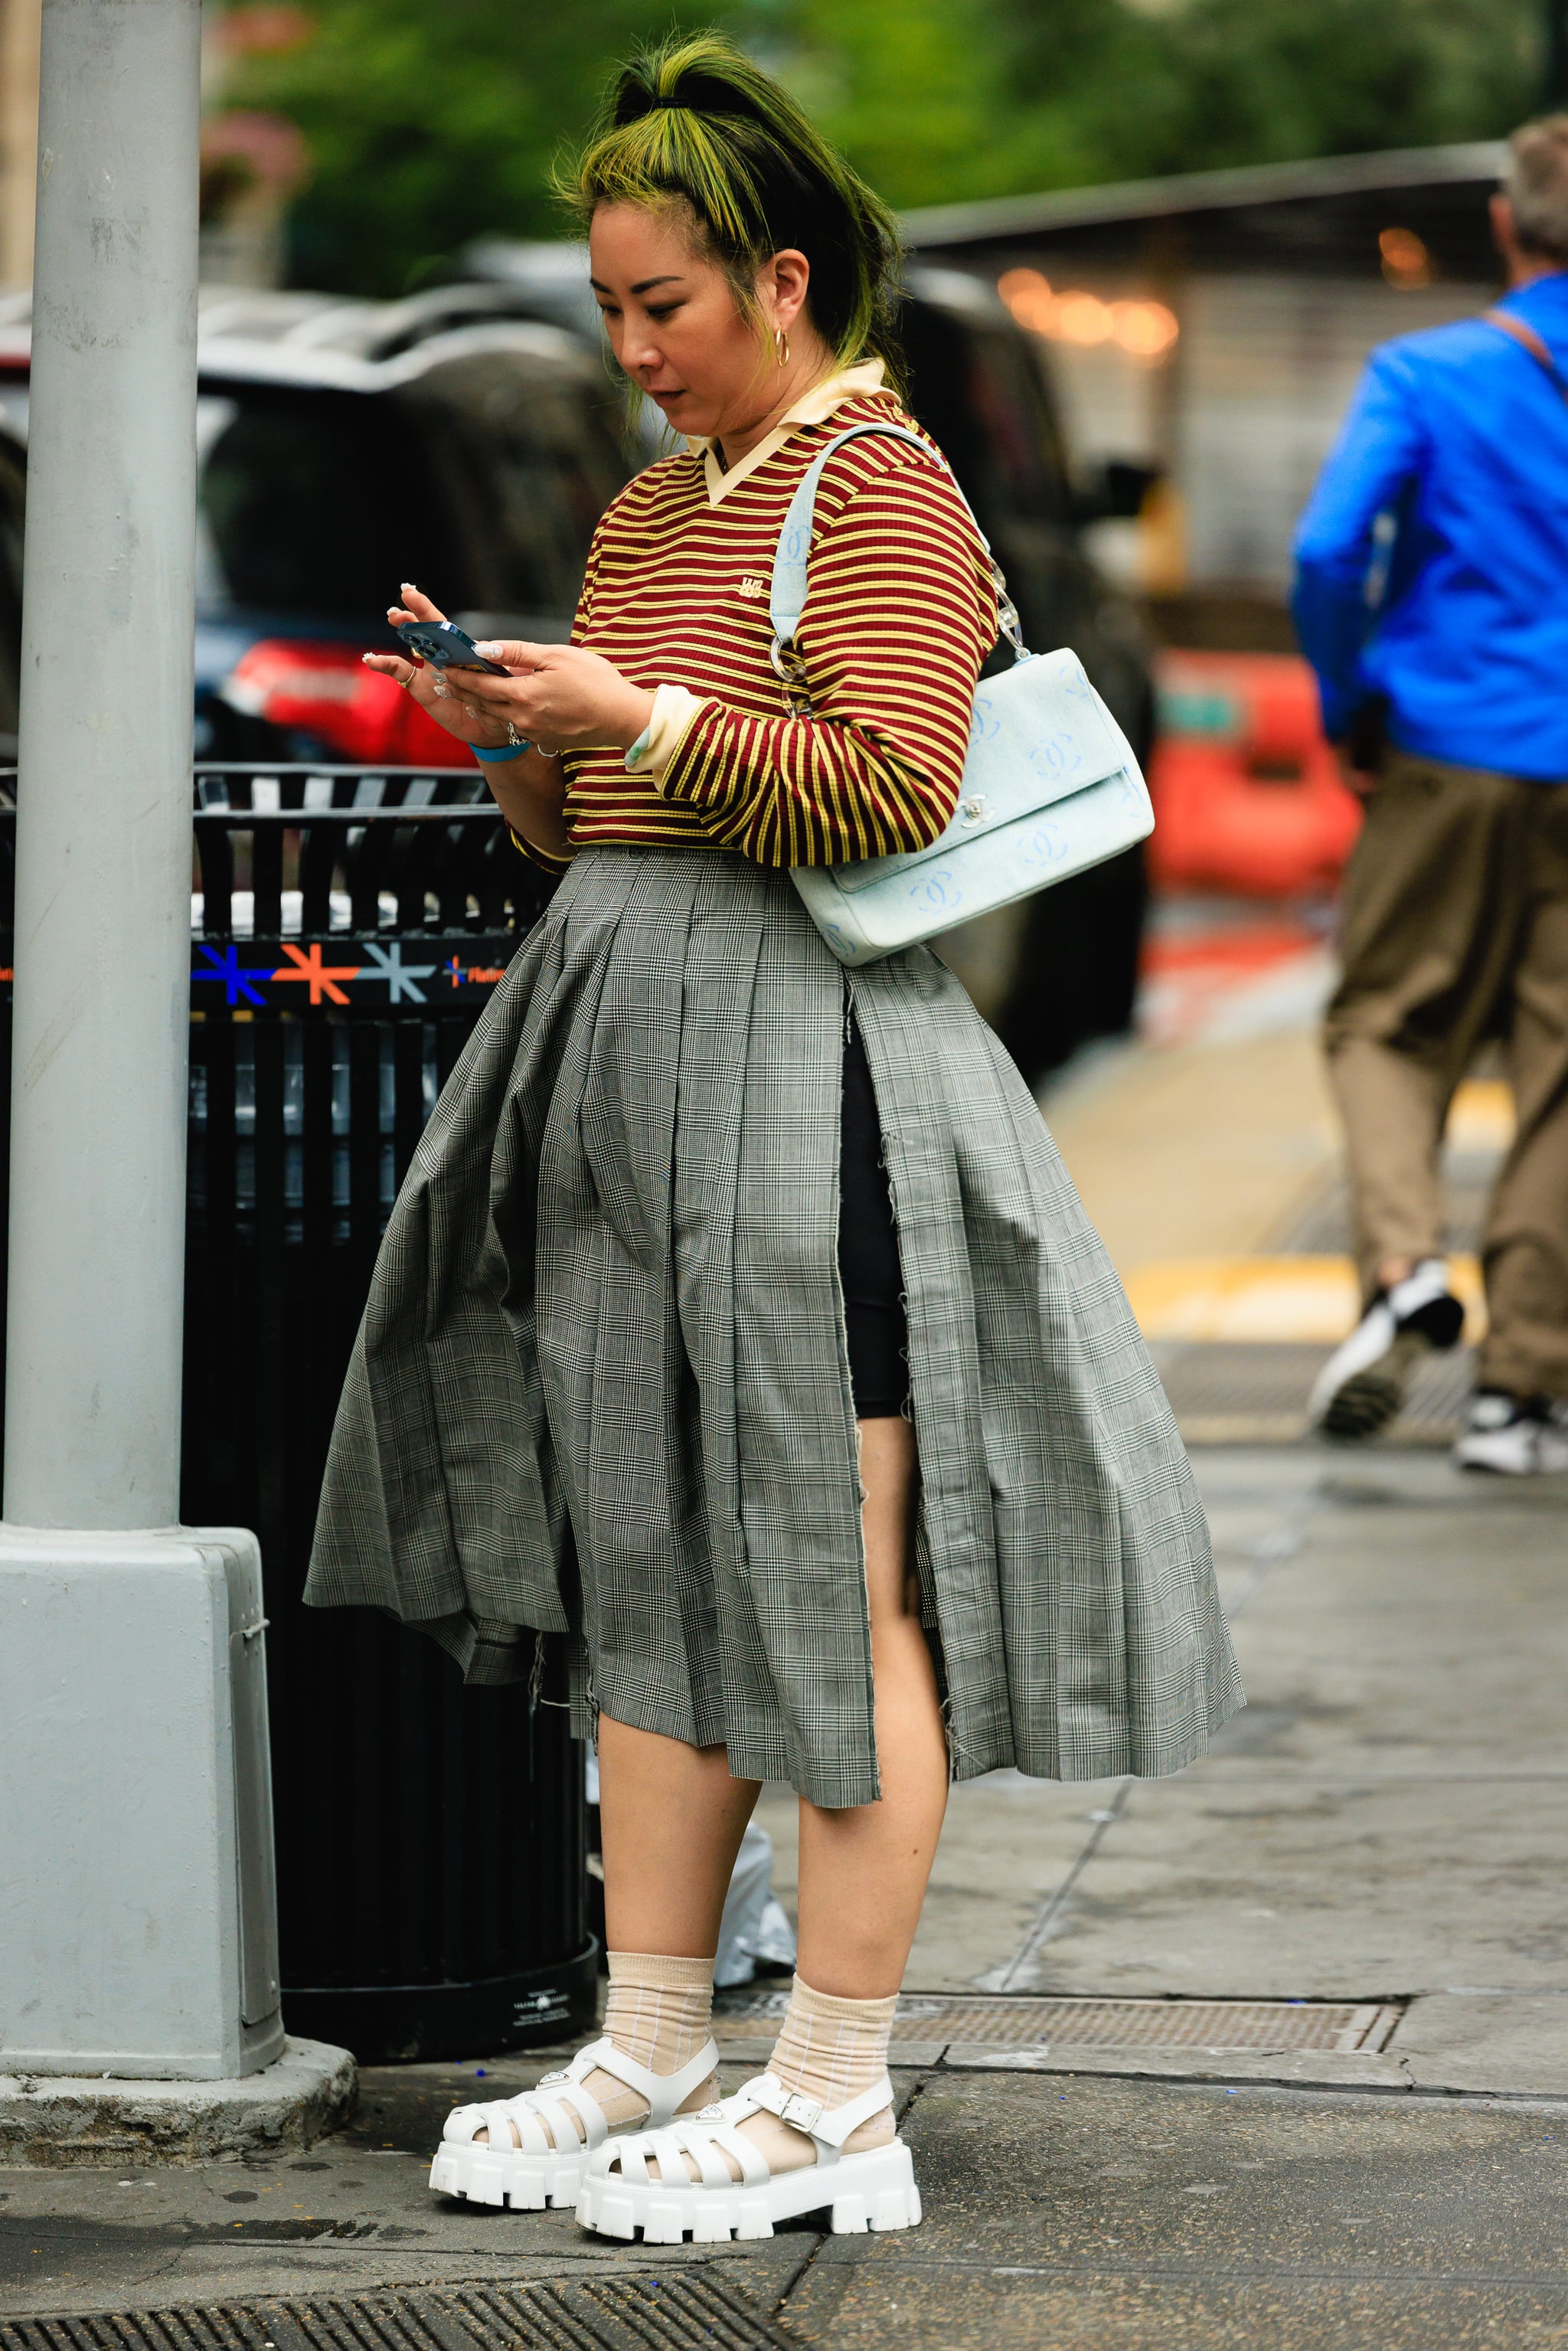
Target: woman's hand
529	788
562	695
438	693
556	696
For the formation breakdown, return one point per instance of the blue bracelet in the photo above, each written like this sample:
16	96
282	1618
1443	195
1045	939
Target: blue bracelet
492	754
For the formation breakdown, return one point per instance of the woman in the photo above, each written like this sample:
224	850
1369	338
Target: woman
737	1319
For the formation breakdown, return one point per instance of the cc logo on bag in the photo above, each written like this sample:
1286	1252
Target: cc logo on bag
937	890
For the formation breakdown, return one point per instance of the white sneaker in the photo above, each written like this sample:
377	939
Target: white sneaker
1362	1386
1513	1436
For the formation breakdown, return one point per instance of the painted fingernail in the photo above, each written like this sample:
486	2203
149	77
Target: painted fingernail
488	652
408	587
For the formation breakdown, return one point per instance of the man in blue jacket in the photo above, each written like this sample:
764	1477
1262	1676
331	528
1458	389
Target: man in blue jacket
1432	601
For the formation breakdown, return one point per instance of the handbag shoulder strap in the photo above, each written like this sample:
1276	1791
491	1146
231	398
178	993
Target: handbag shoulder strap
786	597
1525	336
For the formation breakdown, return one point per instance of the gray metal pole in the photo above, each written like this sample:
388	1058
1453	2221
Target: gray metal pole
104	880
137	1932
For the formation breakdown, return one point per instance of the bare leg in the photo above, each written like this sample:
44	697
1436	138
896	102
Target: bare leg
863	1870
671	1819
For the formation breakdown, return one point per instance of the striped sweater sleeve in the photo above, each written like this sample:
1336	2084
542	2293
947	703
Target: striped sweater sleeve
900	614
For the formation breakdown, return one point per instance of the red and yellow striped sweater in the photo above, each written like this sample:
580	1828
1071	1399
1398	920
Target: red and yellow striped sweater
899	616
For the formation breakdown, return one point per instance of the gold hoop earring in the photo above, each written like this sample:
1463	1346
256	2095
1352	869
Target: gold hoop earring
781	347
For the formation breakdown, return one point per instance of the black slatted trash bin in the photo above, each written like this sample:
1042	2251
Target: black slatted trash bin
349	930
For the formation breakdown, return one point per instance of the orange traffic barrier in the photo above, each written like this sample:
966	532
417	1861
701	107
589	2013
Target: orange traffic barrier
1247	791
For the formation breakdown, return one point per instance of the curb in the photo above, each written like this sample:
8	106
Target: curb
66	2121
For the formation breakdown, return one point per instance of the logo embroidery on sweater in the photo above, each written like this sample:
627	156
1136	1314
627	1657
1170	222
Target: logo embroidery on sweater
753	588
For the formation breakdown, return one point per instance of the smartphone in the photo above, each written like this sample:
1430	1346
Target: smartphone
446	646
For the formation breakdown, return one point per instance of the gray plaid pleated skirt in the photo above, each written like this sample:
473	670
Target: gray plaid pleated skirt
601	1389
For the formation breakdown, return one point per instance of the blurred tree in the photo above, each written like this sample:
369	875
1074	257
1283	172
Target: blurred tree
427	126
943	100
1216	82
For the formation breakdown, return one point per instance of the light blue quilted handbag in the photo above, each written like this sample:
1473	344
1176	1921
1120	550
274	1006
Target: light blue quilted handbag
1050	785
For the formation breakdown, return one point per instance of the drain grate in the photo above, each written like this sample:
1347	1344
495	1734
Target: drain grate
1230	1392
977	2021
683	2309
1325	1226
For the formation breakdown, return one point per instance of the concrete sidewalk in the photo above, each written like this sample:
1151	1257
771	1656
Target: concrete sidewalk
1211	1168
1384	1825
1384	1828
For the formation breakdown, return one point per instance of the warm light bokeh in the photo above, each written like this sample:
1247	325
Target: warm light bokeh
1405	261
1145	331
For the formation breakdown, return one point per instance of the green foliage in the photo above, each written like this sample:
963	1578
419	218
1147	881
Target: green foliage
938	101
429	124
432	121
1250	81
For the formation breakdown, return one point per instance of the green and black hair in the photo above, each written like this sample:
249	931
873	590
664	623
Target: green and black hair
694	123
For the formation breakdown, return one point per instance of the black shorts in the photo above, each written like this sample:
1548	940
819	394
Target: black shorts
868	1252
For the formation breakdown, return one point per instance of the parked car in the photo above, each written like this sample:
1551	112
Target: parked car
469	438
1061	969
344	447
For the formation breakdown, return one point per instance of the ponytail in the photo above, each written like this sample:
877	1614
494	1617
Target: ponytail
693	123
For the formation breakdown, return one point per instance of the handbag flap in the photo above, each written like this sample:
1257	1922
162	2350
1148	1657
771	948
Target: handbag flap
1039	732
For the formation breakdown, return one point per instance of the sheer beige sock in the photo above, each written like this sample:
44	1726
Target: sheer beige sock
831	2050
659	2010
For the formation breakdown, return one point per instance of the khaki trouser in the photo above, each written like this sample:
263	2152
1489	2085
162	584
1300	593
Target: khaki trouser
1454	929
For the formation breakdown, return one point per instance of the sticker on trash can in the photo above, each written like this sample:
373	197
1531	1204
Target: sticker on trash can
282	974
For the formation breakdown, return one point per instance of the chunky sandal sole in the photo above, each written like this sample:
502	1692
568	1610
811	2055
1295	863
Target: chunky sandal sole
872	2190
489	2175
524	2169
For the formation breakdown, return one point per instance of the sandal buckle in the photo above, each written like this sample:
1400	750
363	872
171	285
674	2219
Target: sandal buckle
802	2114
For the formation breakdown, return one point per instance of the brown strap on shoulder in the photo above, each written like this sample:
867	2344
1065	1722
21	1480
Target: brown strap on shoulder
1525	336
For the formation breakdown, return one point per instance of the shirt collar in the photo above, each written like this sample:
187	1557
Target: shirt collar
1550	289
812	408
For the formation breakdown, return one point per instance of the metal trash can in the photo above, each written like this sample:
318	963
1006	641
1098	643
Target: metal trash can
347	928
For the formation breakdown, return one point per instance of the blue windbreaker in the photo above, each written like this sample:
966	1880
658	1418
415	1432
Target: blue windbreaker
1455	607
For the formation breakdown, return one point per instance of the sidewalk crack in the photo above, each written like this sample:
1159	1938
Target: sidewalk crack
1282	1543
902	2108
1044	1926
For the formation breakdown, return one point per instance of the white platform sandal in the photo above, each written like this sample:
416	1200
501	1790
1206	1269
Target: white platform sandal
539	2172
873	2189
